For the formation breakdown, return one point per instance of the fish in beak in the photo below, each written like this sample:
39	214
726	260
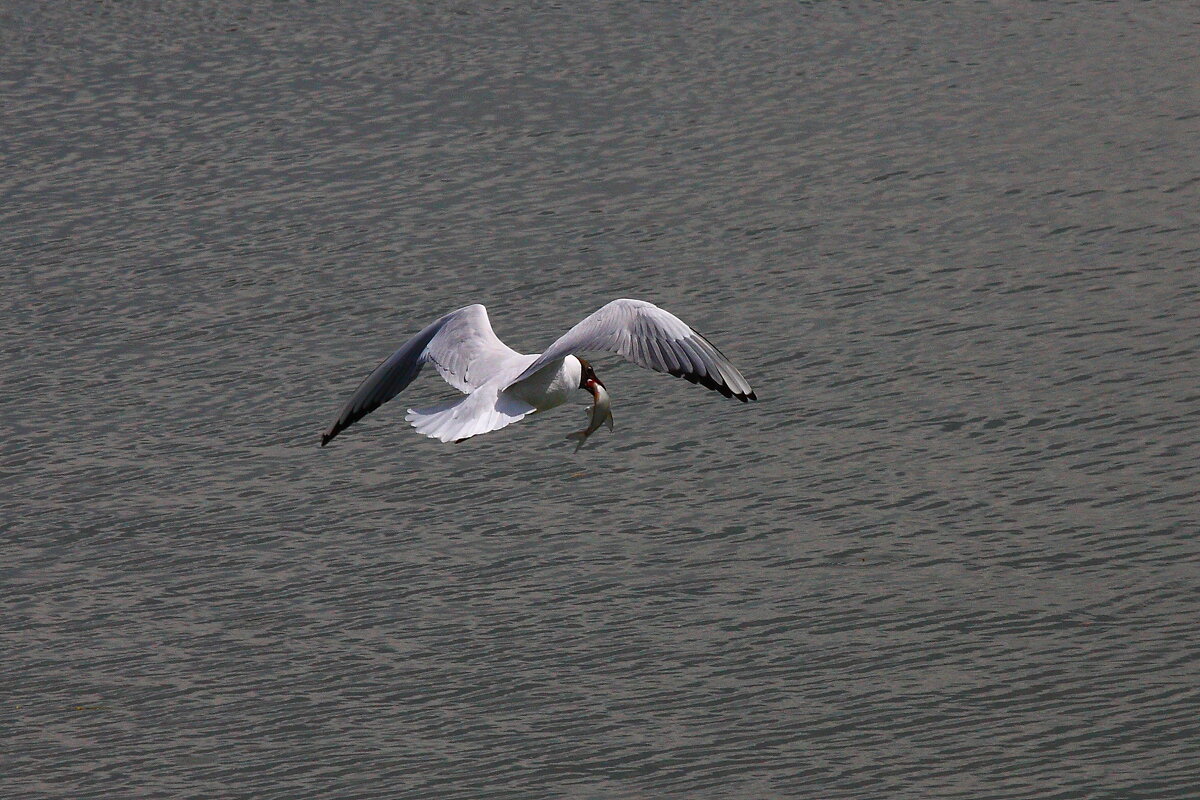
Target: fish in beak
601	411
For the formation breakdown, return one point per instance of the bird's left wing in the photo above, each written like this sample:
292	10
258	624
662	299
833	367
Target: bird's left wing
653	338
461	345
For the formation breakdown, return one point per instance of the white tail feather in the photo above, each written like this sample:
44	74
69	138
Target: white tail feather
482	411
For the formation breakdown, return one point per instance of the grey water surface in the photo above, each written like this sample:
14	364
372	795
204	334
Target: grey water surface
950	553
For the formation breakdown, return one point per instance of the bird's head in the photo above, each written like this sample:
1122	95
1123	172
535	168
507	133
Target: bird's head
587	376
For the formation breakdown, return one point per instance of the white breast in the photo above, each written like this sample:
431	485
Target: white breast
550	386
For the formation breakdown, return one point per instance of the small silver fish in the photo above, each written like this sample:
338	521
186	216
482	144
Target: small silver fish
601	414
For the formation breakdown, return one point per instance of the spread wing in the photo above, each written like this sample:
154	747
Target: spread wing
461	346
653	338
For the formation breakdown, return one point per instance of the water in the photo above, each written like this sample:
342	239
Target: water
951	553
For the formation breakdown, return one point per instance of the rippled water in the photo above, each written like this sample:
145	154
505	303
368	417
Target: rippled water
951	553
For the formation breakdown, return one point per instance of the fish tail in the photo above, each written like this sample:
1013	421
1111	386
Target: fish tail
581	436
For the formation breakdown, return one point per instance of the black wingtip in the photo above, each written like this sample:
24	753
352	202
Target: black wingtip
708	382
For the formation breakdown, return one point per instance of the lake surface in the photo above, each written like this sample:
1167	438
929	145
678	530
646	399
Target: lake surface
950	553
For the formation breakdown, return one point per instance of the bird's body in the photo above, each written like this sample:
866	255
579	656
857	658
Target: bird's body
550	386
503	386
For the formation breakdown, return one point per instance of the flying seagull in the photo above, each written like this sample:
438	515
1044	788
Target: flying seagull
503	386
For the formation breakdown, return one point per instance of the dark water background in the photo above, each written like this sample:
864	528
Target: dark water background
951	553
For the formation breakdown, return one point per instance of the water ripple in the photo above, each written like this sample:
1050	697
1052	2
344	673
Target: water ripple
950	553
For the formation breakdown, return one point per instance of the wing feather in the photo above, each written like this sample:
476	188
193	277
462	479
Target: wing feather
650	337
462	347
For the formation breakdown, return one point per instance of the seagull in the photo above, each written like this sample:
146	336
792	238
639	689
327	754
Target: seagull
503	386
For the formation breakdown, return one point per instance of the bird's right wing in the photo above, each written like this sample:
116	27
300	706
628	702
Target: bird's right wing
650	337
462	347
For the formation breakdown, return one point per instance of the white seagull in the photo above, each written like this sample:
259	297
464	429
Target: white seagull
503	386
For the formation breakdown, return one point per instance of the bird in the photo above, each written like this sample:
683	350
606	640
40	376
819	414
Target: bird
503	386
